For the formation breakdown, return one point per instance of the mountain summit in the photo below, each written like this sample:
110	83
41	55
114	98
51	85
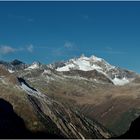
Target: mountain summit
117	75
86	64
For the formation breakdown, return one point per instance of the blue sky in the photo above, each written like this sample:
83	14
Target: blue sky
54	31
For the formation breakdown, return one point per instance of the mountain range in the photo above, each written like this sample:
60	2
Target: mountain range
84	97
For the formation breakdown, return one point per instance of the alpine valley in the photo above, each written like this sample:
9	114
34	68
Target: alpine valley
84	97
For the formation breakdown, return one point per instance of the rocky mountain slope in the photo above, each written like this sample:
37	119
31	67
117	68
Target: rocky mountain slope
41	113
75	99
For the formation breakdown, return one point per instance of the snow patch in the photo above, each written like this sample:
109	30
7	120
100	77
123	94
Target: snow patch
120	82
34	66
30	91
11	71
47	72
2	80
66	68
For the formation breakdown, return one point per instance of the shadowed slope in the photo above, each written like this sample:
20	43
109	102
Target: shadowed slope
133	132
12	126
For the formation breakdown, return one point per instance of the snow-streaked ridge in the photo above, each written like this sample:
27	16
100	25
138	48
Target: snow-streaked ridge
30	91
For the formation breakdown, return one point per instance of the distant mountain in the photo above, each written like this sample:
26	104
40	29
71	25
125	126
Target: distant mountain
16	62
34	65
14	65
115	74
81	66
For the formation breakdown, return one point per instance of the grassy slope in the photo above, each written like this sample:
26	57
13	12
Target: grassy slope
21	105
107	104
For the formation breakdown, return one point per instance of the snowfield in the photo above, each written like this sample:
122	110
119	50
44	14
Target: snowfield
120	82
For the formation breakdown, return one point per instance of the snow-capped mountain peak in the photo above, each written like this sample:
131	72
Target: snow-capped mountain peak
117	75
88	67
85	64
34	65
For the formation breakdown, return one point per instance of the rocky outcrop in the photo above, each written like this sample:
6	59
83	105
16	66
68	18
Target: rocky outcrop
61	120
93	75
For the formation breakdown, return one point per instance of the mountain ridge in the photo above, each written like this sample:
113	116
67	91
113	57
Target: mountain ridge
117	75
58	95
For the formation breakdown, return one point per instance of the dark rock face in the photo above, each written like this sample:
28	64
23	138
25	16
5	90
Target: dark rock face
17	65
12	126
16	62
133	132
3	63
14	65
